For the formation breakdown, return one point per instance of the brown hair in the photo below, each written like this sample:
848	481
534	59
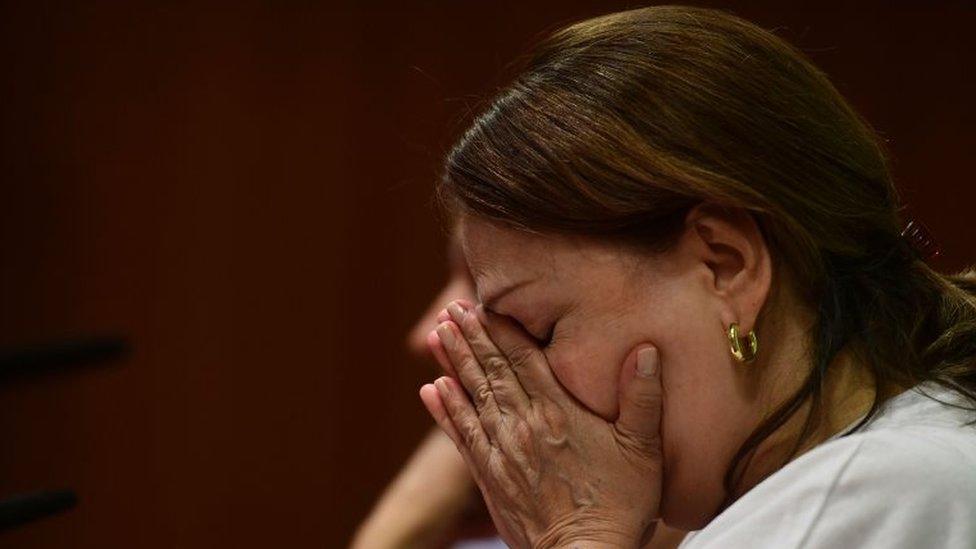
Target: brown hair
616	126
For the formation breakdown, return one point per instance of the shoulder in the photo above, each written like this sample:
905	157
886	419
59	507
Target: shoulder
901	487
905	486
928	458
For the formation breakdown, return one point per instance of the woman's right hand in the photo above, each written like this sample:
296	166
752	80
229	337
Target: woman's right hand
422	504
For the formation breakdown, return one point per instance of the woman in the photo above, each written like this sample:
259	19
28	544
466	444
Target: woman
433	502
696	305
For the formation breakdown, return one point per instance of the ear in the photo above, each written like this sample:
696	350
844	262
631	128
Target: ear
736	258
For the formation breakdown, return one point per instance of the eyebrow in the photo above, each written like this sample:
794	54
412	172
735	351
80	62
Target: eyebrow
492	300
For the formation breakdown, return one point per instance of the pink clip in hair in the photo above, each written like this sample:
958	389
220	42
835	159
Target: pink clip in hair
919	236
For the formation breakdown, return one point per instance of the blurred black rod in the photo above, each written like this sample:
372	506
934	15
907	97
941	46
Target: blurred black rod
62	353
25	508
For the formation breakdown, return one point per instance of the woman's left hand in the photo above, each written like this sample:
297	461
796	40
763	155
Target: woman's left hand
553	473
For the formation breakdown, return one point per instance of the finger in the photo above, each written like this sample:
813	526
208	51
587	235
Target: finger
432	401
471	375
526	360
438	393
437	349
509	394
466	421
640	402
443	316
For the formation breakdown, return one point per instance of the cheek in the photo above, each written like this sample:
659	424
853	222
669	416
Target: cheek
589	368
706	416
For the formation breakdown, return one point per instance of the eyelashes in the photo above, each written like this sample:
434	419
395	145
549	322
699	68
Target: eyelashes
548	338
545	340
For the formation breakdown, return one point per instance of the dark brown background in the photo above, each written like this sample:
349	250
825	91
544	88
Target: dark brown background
244	191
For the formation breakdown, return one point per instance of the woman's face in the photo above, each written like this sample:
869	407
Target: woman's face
590	304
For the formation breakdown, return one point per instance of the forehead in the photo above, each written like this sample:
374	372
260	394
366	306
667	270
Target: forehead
498	254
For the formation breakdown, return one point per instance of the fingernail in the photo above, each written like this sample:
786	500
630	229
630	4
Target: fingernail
455	310
446	334
443	316
441	386
647	362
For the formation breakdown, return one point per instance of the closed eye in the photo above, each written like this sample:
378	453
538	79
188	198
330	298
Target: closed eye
544	342
541	340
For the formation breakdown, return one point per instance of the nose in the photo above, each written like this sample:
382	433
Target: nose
417	337
457	287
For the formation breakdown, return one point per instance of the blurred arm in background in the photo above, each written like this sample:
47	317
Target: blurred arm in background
433	500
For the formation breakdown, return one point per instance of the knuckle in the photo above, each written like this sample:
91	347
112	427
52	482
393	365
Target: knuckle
468	363
552	420
469	433
470	324
640	443
482	395
471	366
521	356
522	433
495	366
647	400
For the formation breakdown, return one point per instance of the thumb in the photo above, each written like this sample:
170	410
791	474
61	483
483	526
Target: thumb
640	402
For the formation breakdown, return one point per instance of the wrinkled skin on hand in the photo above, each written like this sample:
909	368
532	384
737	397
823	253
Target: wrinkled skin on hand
553	473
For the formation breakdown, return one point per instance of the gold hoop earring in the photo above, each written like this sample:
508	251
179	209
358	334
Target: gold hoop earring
735	344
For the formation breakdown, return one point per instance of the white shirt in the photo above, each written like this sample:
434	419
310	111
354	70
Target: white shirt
905	480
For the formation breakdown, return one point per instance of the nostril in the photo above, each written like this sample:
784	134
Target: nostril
416	342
